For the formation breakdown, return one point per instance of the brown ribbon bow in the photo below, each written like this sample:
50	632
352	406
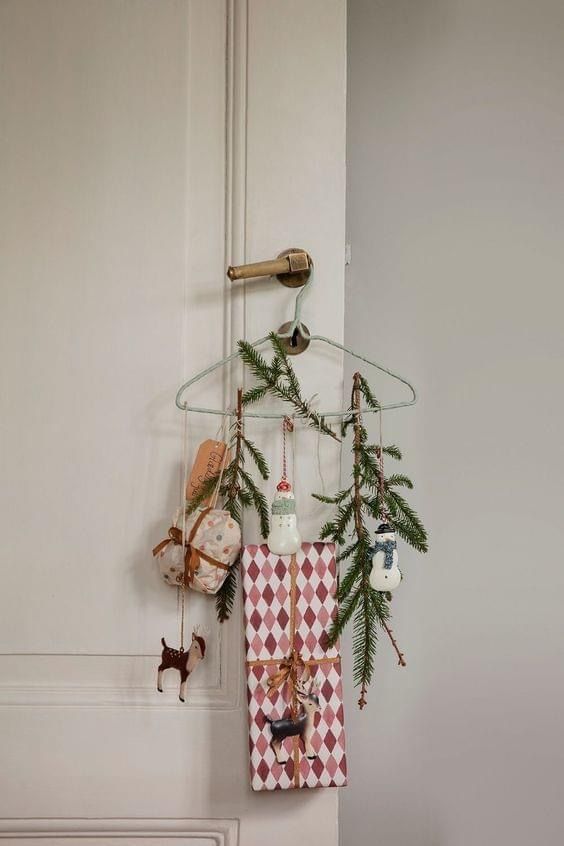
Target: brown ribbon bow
191	555
289	671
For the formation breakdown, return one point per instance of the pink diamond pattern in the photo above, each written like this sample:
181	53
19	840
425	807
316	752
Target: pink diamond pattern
266	583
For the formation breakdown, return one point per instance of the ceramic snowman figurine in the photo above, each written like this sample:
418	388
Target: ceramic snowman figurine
284	537
386	574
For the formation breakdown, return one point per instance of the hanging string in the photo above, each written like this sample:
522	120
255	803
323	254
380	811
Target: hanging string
213	501
221	429
183	506
384	513
318	451
287	426
293	431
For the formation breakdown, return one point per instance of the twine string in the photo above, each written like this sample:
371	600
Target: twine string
183	505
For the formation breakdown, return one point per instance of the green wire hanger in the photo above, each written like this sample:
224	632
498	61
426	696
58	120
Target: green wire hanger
295	330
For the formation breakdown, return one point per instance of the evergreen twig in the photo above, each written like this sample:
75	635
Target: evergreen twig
279	379
239	492
371	495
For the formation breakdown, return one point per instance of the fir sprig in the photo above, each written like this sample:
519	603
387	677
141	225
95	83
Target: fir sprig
238	491
371	495
279	380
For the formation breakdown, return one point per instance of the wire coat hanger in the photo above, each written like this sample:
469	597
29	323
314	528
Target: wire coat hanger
295	328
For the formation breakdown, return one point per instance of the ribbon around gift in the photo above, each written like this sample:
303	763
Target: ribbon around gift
192	555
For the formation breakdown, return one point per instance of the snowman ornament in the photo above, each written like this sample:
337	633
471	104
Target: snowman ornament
385	574
284	537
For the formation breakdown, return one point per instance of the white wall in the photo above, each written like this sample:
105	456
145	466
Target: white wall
456	207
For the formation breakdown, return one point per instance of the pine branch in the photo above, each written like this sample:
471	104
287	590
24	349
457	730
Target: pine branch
364	645
356	452
204	492
240	492
401	660
254	394
344	614
366	392
279	379
405	520
398	480
346	552
225	597
259	502
354	574
333	500
374	496
258	458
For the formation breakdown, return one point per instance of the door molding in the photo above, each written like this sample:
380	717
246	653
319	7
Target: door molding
32	679
58	832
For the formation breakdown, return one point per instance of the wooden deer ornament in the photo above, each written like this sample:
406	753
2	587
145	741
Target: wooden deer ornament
302	725
184	662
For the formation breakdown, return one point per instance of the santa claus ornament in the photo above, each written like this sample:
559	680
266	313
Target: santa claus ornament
284	537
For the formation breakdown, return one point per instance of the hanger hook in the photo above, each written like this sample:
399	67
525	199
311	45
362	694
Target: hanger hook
295	333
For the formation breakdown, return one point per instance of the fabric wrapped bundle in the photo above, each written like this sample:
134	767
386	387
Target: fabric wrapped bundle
294	687
212	545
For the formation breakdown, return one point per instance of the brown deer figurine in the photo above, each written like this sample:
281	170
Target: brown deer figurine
184	662
302	726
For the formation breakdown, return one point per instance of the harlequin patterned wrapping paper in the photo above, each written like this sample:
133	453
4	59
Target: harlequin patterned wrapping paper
270	583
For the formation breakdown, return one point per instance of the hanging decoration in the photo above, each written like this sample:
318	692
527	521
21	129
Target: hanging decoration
200	554
295	694
365	588
212	545
385	574
184	662
202	549
284	537
371	496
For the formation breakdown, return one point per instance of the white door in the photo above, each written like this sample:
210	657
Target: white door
143	147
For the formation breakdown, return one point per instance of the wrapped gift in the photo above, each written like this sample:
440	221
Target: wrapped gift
294	685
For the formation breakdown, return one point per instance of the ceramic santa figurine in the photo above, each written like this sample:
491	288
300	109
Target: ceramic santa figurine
386	574
284	537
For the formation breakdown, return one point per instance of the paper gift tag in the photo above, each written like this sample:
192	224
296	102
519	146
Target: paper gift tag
207	464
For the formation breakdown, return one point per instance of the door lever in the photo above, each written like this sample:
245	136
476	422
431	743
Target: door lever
292	268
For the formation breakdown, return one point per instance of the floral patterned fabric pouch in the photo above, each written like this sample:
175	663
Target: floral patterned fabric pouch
212	542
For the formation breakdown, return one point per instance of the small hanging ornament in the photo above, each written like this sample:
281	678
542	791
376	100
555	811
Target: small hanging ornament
179	541
385	574
284	537
183	661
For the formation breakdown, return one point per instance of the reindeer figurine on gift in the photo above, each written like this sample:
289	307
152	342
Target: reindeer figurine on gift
184	662
302	725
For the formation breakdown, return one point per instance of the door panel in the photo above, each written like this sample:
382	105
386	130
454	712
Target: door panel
144	147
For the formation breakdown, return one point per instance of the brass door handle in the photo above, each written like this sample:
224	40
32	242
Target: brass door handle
292	268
